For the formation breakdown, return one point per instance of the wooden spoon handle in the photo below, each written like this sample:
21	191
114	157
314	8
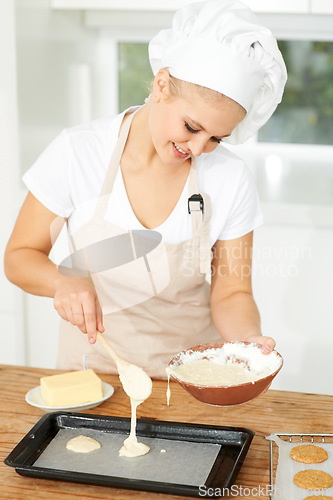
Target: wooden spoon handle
108	348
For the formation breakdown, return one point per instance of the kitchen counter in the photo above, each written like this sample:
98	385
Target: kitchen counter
275	411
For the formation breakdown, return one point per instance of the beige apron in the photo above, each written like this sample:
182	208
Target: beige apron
153	306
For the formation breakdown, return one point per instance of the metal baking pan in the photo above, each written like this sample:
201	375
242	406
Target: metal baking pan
185	459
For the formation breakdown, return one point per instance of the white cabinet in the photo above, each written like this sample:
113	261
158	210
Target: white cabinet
264	6
286	18
134	5
321	7
279	6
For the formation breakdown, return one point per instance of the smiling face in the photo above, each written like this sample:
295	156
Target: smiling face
187	124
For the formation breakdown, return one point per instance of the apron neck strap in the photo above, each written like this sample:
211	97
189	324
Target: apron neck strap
193	187
199	207
114	163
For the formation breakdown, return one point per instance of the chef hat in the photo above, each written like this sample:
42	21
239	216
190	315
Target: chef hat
218	44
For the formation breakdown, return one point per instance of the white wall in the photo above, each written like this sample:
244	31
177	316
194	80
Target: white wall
293	287
52	65
293	250
293	267
12	340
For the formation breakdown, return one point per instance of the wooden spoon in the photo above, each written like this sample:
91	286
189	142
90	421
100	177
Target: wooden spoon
136	383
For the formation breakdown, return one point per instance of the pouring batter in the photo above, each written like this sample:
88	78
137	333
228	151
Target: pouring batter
138	387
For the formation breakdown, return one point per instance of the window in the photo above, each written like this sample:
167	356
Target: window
135	74
305	115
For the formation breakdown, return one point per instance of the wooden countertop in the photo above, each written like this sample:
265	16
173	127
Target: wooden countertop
275	411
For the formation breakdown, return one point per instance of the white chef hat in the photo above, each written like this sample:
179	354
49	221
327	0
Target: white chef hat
218	44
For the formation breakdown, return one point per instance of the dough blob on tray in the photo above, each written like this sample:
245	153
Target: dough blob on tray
83	444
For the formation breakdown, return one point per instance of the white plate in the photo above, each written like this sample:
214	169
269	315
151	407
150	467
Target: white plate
34	398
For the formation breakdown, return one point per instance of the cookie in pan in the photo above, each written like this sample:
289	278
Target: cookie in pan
312	479
308	454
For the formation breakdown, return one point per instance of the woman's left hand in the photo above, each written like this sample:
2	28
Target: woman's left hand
267	343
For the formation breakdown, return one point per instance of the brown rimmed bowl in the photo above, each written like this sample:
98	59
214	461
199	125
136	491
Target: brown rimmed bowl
225	395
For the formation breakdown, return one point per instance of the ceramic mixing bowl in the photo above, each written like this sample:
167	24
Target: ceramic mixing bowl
236	352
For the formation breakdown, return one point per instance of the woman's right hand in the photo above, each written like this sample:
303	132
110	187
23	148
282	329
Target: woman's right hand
76	301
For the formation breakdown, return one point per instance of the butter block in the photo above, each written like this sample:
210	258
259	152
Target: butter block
70	389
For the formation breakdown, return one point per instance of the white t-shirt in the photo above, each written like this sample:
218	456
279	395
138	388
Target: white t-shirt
67	179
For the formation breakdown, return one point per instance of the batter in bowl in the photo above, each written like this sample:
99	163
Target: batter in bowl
205	372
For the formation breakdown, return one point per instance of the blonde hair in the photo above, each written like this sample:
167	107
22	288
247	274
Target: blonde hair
181	88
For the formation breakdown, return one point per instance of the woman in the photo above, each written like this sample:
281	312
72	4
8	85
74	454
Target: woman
218	77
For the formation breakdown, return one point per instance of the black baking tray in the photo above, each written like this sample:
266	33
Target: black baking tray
234	441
